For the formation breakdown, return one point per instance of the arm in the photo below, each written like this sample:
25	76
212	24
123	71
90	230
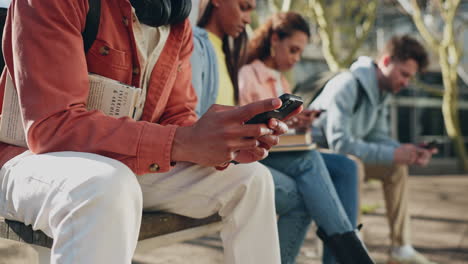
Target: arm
180	108
49	69
338	125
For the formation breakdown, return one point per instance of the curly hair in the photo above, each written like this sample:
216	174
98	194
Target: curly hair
403	48
283	24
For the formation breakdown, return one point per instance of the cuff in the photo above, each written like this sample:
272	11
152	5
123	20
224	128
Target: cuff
155	148
387	154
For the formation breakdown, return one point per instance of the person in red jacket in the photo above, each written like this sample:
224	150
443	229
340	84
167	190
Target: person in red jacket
76	180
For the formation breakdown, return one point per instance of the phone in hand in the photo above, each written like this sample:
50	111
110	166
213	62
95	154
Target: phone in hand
290	103
320	111
430	145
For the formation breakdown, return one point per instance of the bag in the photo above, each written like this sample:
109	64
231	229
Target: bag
313	86
89	33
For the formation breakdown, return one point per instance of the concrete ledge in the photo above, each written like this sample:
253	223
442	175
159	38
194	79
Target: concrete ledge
12	252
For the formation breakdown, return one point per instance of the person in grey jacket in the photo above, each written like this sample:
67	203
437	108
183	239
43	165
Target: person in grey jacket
363	130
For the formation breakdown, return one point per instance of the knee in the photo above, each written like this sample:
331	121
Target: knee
349	168
400	173
348	164
311	161
340	164
287	195
111	186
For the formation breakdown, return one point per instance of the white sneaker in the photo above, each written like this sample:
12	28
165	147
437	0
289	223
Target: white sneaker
415	258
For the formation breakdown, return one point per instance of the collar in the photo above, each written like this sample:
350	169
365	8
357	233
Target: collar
201	32
264	73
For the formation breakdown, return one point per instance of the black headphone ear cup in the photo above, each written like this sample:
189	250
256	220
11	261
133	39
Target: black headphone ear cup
180	10
153	12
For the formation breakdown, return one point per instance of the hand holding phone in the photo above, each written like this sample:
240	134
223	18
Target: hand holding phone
319	112
430	145
289	104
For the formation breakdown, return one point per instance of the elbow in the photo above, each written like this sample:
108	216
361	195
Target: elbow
341	145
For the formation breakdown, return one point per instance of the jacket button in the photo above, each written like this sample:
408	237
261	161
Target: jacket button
136	70
104	50
154	167
125	21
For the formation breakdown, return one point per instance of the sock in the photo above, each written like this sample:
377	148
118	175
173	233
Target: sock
405	251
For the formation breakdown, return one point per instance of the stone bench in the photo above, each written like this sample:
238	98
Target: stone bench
161	228
12	252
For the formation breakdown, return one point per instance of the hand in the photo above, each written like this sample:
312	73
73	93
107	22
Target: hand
406	154
304	120
266	142
221	135
410	154
424	156
279	128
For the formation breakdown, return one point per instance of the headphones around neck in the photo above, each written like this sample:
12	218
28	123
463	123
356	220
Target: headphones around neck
161	12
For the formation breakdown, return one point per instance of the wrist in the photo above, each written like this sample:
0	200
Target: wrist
179	145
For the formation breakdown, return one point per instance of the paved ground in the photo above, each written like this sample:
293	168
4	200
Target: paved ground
440	227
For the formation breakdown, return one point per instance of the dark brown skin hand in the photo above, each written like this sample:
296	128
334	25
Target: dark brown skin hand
221	135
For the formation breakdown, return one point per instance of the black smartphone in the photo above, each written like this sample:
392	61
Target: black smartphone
430	145
320	111
290	103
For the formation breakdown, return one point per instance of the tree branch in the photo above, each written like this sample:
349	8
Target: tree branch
434	44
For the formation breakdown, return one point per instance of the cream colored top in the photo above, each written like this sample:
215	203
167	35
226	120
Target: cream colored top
150	43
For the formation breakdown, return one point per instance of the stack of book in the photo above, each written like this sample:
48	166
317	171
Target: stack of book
294	141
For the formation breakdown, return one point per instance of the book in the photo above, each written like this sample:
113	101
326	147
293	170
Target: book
294	138
113	98
294	141
299	147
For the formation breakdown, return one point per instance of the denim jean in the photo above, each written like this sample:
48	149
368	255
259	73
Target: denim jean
294	219
309	171
344	175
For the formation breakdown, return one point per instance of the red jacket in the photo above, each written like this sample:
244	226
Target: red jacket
49	69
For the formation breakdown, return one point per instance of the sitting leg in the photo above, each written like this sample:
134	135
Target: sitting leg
396	192
343	173
90	205
243	195
322	202
308	169
294	220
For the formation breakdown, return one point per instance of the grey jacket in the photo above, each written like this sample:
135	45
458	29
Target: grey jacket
364	133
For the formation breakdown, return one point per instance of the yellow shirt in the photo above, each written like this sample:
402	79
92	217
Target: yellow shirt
225	87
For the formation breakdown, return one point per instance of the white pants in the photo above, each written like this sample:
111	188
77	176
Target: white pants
91	205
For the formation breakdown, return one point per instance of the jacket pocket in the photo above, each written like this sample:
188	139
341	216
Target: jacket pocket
107	61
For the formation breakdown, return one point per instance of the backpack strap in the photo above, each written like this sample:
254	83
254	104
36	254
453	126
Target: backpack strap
92	24
360	95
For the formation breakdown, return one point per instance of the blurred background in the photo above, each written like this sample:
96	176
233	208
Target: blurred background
435	106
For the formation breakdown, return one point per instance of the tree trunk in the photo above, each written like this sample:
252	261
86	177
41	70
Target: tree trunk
450	108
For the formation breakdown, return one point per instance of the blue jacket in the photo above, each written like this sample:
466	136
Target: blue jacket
364	133
205	78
